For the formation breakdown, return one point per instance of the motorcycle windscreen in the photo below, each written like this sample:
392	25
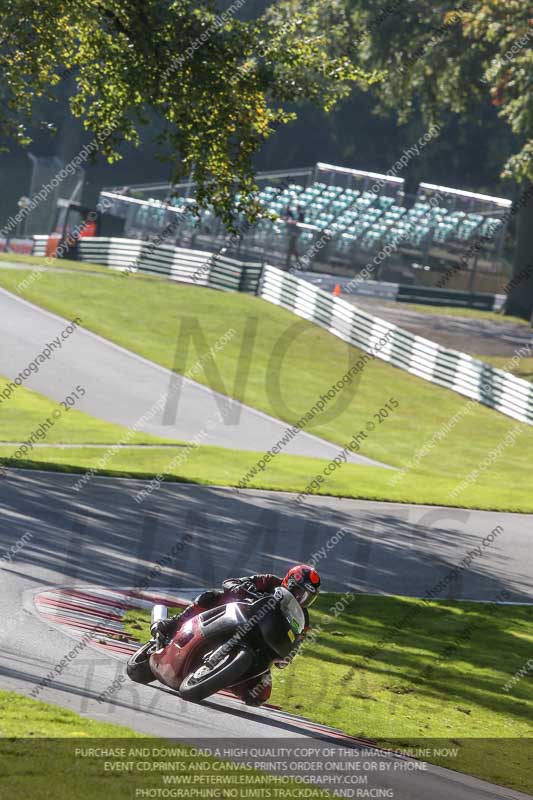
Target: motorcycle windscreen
291	610
277	633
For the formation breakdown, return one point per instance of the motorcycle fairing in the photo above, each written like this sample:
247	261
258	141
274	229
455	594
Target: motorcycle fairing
211	628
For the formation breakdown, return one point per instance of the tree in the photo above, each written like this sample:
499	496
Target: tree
441	55
218	83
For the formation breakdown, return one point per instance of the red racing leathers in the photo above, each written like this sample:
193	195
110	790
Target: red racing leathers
257	690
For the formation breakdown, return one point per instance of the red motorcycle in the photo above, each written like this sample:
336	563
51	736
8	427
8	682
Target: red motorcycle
222	648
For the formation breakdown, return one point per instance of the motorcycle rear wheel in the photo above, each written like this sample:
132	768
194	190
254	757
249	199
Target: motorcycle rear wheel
223	675
138	667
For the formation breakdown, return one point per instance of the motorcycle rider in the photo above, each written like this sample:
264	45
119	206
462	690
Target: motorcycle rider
301	580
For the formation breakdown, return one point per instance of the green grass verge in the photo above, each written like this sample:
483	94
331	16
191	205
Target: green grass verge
22	717
83	266
314	361
37	752
454	311
440	677
218	466
25	411
52	263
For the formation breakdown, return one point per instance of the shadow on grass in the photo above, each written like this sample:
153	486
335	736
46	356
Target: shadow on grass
466	651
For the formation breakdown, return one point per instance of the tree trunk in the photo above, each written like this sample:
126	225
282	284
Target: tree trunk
520	288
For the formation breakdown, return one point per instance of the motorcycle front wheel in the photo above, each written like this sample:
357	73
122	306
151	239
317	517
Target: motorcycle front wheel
207	680
138	666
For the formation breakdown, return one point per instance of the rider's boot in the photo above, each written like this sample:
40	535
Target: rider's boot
255	691
168	627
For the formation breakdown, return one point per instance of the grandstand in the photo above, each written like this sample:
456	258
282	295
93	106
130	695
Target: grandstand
352	219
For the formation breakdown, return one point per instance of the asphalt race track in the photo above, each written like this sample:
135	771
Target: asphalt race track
121	386
101	536
387	549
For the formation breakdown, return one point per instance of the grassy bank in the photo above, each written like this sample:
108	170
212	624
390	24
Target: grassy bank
469	313
51	263
24	411
218	466
306	361
439	678
452	311
38	753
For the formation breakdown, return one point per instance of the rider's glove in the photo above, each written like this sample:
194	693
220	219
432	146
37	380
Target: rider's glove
163	627
248	586
233	583
156	628
236	585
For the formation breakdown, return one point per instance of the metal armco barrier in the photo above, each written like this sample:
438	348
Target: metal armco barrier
429	296
459	372
177	263
451	369
404	293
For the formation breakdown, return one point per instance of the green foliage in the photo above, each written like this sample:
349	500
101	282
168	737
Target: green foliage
453	55
314	361
218	83
40	741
